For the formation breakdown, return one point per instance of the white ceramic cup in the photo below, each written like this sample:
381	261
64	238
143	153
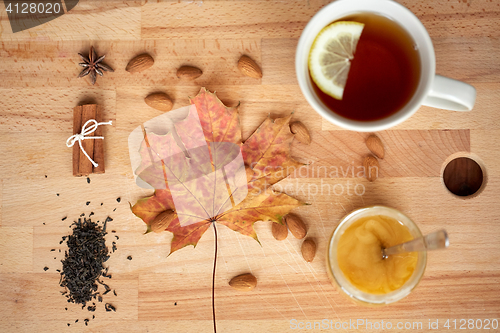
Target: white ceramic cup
433	90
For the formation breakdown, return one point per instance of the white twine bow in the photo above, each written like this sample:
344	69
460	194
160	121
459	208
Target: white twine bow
82	136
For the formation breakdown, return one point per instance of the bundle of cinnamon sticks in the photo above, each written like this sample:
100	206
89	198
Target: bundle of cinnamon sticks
82	166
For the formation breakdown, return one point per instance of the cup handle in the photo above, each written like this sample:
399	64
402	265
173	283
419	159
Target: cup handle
450	94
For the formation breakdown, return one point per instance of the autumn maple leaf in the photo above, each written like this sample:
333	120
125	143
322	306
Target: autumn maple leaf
178	165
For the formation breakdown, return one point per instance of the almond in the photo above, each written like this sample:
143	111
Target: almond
140	63
159	101
295	225
371	167
280	231
375	145
162	221
308	250
248	67
243	282
301	133
188	72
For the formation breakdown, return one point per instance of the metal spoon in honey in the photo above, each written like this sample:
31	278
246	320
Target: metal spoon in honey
433	241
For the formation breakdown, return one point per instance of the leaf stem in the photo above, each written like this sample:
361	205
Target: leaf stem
213	279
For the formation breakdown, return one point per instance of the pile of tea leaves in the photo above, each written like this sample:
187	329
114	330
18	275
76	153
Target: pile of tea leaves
83	265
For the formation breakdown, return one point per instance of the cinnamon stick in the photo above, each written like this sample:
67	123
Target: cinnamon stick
85	167
77	128
99	144
82	166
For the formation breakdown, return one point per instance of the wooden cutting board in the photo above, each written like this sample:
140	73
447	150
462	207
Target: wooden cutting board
39	88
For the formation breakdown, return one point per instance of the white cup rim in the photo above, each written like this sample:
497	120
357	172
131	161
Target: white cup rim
389	8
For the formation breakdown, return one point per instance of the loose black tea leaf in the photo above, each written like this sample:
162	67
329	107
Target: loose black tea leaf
45	268
118	199
45	176
88	180
91	213
114	292
87	203
129	257
83	264
64	218
82	214
117	237
104	285
109	307
52	250
114	210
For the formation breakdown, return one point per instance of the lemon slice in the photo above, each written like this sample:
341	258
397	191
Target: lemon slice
331	54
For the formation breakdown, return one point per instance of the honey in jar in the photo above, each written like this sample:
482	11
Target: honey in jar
359	254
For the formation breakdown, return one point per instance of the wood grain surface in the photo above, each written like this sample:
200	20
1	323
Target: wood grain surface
39	88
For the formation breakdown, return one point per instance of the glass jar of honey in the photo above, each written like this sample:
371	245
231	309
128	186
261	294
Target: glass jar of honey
354	256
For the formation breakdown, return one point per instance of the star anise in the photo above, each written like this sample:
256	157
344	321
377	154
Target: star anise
93	65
